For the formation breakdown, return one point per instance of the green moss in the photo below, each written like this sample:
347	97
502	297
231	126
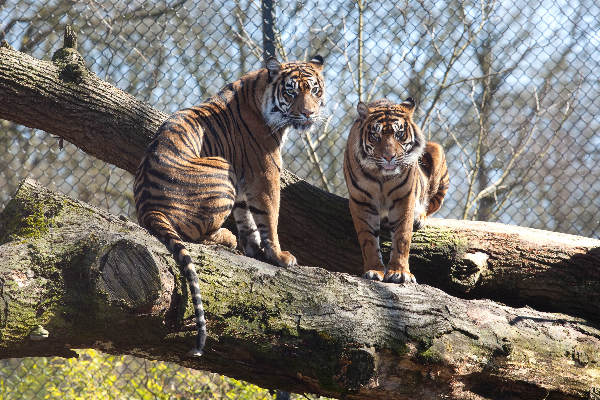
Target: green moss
399	348
429	245
357	367
27	218
427	352
259	321
71	65
429	356
243	312
25	312
63	54
29	215
434	253
23	220
22	319
33	225
64	298
434	240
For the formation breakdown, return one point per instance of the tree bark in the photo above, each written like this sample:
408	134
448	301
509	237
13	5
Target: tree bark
518	266
63	98
325	332
95	280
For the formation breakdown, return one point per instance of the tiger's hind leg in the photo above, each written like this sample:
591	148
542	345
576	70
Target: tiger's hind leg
420	215
203	201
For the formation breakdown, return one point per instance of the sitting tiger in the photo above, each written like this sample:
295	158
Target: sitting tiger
224	156
395	179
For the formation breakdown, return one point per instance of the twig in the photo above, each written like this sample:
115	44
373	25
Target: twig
382	73
456	53
475	171
492	188
244	37
326	126
110	29
345	53
477	78
279	43
458	143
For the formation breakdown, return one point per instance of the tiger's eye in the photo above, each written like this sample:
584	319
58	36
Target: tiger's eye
373	137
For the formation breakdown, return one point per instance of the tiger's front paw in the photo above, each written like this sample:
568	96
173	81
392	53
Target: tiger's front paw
283	259
402	275
373	275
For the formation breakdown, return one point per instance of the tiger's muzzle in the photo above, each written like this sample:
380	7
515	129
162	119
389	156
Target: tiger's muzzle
302	122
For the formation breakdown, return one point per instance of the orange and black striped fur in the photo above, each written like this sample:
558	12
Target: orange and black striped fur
224	156
395	180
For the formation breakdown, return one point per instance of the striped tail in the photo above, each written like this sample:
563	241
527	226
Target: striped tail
438	198
161	227
434	165
182	257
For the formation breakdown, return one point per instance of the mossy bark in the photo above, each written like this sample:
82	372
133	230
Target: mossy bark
95	280
62	97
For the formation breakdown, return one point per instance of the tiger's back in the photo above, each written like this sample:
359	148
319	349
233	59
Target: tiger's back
395	180
191	168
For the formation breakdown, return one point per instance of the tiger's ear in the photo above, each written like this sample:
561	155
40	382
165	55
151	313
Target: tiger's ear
273	66
408	105
317	61
363	110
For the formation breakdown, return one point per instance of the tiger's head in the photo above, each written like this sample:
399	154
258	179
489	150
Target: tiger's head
388	139
295	93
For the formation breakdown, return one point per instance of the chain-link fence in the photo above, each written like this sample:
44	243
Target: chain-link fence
508	88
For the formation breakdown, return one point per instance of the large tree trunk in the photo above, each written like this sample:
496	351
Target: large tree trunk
322	329
91	279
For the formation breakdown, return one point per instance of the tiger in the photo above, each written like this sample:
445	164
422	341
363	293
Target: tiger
395	180
224	156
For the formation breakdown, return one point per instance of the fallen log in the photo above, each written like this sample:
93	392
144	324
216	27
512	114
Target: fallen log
74	276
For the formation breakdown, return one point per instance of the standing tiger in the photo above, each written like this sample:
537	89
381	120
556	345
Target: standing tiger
224	156
395	180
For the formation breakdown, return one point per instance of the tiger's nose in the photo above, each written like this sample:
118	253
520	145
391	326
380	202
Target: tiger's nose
307	113
388	157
